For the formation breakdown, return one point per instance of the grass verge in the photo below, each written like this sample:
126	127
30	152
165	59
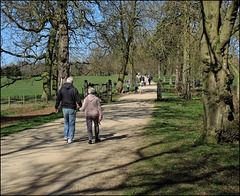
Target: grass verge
172	162
29	123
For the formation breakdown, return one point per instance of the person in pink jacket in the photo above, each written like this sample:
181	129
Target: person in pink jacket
92	107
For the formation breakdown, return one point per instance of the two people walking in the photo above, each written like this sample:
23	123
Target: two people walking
69	96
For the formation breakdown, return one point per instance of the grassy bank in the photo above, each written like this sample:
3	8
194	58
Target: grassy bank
172	162
29	123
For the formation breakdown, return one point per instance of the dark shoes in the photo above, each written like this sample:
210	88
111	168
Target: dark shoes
97	140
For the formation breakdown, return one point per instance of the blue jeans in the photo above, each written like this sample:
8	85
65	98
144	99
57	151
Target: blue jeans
69	126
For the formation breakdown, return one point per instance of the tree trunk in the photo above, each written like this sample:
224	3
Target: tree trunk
186	90
164	73
159	71
177	78
159	90
217	77
171	70
55	71
63	55
126	41
236	70
46	94
132	73
121	77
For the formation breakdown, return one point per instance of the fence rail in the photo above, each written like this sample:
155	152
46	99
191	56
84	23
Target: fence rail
34	99
103	91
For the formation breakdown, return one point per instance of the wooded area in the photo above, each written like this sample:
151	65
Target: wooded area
188	39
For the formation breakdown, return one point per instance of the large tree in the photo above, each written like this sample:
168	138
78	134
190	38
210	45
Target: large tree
217	77
186	90
32	21
115	32
49	76
127	13
22	23
38	26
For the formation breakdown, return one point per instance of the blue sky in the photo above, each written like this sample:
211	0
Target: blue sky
9	35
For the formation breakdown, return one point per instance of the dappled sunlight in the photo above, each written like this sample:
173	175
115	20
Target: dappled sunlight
51	166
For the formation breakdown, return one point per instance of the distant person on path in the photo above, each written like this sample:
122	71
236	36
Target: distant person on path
92	107
68	96
115	84
128	86
136	87
149	80
197	84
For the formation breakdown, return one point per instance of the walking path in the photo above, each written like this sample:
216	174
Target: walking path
39	162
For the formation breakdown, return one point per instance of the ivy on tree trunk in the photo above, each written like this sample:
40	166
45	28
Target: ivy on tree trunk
63	54
217	77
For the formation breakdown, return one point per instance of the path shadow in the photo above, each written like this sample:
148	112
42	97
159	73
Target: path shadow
161	180
49	174
104	138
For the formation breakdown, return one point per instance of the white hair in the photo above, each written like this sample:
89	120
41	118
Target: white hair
69	80
91	91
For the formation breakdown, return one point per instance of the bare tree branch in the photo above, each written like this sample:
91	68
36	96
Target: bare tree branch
25	56
36	30
9	83
228	24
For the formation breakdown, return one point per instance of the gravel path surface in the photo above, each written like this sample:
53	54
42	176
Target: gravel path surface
39	162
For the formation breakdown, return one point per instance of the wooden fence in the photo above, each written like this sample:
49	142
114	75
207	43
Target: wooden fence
103	91
20	100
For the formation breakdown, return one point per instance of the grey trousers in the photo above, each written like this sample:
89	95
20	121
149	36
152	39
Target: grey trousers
89	120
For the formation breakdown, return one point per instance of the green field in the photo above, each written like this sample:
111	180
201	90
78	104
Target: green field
31	86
